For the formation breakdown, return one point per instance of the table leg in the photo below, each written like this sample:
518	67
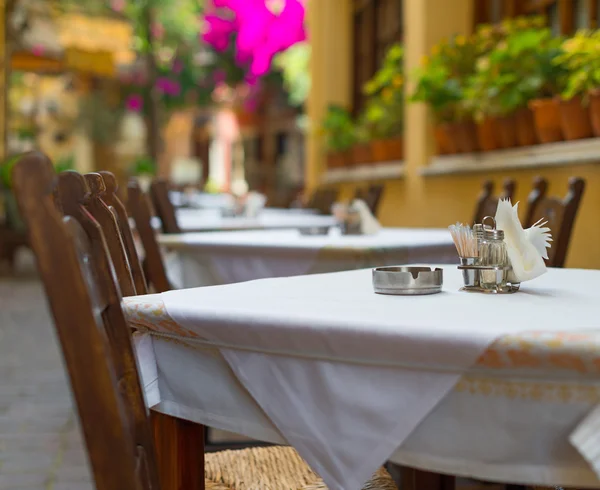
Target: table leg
180	452
423	480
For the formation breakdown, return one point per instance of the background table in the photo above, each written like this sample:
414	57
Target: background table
211	220
205	259
492	387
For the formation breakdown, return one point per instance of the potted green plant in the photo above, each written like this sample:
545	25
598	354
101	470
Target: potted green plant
339	132
441	82
505	81
384	113
144	170
580	104
383	119
13	217
536	51
361	152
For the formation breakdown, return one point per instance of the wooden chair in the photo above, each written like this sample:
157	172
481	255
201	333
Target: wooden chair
159	194
487	202
154	267
75	267
559	213
111	198
373	198
73	193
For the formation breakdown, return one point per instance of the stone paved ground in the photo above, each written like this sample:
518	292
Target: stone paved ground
40	442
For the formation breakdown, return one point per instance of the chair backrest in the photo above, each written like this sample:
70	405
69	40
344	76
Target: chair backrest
154	267
322	200
373	198
111	198
359	193
487	202
559	213
74	191
76	270
159	194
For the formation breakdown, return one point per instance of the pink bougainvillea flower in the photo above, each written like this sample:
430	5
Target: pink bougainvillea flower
157	30
288	29
168	86
175	88
117	5
177	66
219	77
218	31
38	50
250	104
134	103
261	32
262	61
255	21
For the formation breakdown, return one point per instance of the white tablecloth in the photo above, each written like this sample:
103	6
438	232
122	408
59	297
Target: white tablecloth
207	259
205	220
475	385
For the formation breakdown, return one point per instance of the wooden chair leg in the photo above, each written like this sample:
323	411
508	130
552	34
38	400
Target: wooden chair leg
423	480
180	452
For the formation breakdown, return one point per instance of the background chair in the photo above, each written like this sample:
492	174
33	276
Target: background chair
487	202
373	198
159	195
154	267
322	200
560	214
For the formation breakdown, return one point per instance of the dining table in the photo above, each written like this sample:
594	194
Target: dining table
206	259
494	387
204	220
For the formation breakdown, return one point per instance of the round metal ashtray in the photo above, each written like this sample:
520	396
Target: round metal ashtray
315	230
407	280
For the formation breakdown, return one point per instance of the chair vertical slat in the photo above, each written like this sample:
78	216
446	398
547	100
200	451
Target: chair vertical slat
487	203
159	194
559	213
139	208
111	198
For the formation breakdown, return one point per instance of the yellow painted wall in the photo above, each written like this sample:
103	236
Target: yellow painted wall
437	201
3	88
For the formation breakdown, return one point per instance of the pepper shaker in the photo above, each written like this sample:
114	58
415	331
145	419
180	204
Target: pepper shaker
492	253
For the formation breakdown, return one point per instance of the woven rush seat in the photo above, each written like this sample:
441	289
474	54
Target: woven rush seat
272	468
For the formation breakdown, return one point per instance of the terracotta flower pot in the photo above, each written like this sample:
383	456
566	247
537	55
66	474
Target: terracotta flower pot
361	154
575	119
379	151
445	142
525	124
466	137
395	148
387	150
506	131
546	114
595	111
337	159
486	135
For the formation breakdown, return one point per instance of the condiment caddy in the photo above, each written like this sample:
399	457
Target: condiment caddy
484	260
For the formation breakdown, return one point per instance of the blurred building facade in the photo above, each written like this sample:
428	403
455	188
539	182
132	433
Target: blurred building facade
415	196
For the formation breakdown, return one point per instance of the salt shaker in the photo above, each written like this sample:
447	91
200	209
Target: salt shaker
492	253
